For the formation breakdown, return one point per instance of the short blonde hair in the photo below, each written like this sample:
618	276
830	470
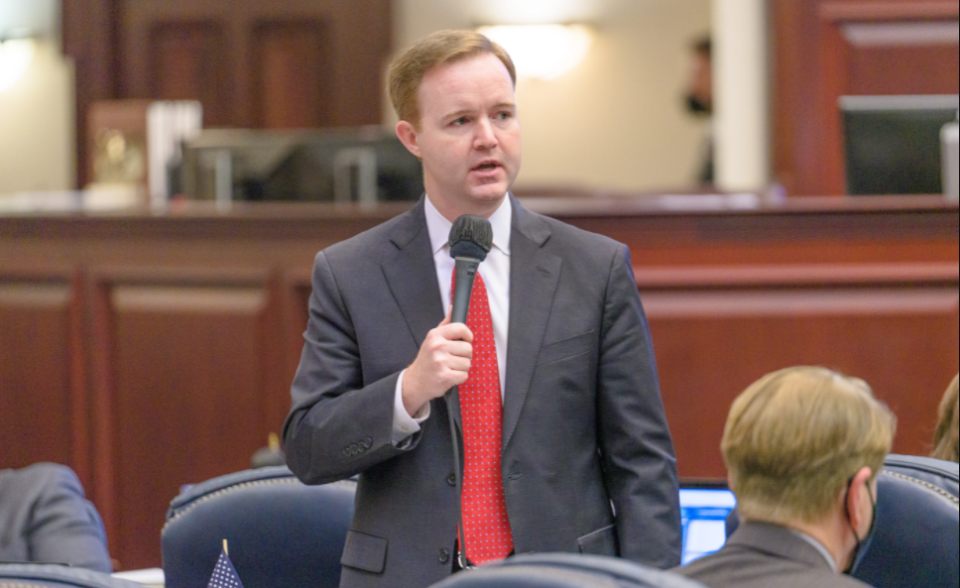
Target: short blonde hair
946	441
442	47
794	439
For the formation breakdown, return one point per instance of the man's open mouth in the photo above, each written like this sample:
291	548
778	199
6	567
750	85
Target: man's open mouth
487	166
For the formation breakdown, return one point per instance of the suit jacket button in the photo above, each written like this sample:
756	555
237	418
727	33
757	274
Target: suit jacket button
452	480
444	556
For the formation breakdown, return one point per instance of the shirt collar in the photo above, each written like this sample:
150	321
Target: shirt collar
439	227
818	546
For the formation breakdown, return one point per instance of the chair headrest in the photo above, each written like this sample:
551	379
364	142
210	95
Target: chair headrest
47	575
916	541
565	570
943	474
280	531
234	480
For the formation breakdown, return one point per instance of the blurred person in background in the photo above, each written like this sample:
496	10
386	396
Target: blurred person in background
803	447
45	518
699	102
946	440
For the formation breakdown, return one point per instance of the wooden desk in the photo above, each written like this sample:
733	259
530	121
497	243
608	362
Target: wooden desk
150	351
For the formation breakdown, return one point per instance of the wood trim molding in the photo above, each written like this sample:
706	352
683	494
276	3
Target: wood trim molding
80	409
836	12
895	275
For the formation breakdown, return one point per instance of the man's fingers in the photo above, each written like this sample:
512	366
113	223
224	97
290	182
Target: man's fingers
459	364
455	332
446	319
460	349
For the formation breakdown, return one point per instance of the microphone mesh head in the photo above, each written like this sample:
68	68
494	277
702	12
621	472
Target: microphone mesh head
471	236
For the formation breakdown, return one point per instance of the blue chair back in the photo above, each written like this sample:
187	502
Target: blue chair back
566	570
939	473
916	542
57	576
280	532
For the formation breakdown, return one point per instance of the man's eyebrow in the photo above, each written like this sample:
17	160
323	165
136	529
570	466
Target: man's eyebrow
466	111
457	113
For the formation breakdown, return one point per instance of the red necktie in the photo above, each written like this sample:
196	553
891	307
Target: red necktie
487	528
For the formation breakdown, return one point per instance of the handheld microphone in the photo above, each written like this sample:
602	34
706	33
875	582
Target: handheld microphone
470	239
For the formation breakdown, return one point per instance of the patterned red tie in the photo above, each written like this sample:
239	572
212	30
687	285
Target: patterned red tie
487	527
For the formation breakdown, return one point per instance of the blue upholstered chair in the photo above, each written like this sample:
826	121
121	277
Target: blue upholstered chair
281	533
56	576
942	474
918	517
564	570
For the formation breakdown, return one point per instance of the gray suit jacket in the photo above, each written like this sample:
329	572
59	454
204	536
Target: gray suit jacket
583	423
760	555
44	518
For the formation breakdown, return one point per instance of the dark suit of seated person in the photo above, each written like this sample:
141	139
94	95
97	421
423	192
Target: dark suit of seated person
45	518
803	447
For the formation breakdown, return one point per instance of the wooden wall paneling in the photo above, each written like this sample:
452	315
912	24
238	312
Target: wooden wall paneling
895	327
294	76
185	376
207	50
904	57
834	62
89	37
102	389
364	35
41	387
276	397
187	61
81	400
825	48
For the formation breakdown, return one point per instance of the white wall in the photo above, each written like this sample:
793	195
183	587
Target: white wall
37	120
37	149
616	121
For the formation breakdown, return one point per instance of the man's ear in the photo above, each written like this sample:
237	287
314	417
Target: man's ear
859	501
408	136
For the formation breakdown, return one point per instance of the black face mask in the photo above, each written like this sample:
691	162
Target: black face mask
697	106
863	545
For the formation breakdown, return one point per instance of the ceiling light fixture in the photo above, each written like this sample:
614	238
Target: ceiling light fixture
544	51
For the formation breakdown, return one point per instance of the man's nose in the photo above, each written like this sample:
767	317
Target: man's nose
486	136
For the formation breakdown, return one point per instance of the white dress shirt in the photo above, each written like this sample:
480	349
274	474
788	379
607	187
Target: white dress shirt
495	271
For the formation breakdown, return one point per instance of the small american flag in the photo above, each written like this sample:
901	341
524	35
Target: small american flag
224	575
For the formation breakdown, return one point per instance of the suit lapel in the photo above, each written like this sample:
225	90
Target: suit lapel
412	278
412	275
534	274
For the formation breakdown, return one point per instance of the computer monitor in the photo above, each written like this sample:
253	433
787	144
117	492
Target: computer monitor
892	143
360	164
704	507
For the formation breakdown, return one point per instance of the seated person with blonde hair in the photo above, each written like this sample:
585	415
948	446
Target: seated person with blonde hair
946	441
803	447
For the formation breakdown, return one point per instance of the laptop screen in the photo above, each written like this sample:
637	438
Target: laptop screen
704	507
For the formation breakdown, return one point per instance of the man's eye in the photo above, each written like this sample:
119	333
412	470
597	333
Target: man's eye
504	115
460	121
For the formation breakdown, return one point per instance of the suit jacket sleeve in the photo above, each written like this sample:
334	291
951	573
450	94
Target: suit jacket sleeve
338	425
637	450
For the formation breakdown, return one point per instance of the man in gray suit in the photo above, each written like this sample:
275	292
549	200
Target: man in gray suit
44	518
582	421
803	447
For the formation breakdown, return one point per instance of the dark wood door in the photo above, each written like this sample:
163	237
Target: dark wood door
281	64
